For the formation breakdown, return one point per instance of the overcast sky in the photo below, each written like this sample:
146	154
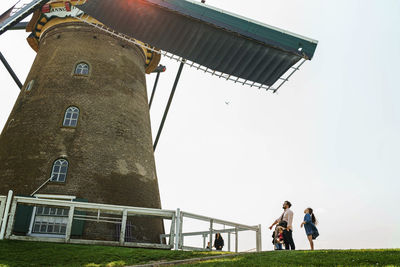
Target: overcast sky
329	139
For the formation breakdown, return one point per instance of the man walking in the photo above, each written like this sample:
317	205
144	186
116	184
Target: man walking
286	220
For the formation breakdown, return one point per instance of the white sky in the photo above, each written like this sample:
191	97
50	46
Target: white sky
329	139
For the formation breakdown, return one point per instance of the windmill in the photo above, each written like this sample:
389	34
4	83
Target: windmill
81	126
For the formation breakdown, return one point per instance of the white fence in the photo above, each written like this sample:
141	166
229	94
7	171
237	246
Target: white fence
8	210
235	229
2	207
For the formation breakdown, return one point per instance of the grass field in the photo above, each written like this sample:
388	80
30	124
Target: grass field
383	257
19	253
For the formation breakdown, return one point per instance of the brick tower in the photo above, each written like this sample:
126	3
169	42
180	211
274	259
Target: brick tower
82	119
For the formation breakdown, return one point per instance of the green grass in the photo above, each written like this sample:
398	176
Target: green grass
22	253
381	257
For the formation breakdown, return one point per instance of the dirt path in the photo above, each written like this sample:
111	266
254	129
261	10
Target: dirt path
188	261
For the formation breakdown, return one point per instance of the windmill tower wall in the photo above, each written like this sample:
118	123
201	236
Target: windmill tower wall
109	152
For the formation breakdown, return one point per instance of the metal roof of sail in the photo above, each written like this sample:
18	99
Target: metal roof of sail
216	39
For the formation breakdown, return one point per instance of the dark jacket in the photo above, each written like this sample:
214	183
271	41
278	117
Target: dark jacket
219	242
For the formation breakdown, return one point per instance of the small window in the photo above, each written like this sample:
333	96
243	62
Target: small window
10	123
59	172
82	69
71	117
29	86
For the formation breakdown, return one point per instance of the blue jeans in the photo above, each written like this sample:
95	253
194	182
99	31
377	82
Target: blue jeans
278	246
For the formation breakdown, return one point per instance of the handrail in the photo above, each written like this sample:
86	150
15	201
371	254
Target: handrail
231	230
218	221
97	206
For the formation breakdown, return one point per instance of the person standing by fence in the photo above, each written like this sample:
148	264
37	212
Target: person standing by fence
218	242
309	225
286	220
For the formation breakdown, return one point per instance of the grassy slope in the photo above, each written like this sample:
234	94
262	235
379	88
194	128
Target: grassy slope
20	253
382	257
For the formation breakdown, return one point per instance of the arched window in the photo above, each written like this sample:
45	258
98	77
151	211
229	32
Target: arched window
71	117
82	69
10	124
59	172
29	86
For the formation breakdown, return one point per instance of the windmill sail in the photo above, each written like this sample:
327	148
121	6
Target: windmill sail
213	38
6	14
8	20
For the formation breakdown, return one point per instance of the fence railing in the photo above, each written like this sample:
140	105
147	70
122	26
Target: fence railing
236	228
2	207
5	202
117	215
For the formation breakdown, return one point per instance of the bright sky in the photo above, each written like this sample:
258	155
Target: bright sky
329	139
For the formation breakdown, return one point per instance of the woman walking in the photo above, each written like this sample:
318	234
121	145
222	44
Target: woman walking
309	225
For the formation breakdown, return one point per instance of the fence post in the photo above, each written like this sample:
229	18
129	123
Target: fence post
236	239
178	227
258	239
5	216
3	201
10	222
69	224
172	231
180	230
229	241
211	231
123	227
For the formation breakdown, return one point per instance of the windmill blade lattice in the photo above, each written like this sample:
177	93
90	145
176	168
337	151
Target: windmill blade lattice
209	39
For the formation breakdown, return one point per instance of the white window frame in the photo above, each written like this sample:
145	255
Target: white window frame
33	217
71	111
10	123
82	68
29	86
59	163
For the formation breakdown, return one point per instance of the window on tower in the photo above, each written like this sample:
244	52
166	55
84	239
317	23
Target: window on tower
71	117
29	86
10	124
50	220
82	69
59	172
